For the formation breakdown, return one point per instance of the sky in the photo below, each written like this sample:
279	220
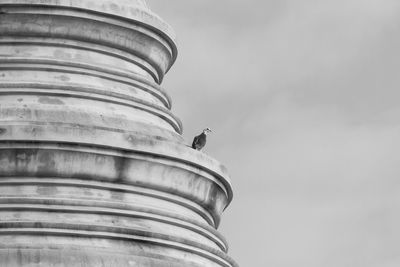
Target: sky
303	99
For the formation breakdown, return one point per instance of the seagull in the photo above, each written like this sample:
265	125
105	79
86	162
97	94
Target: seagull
200	141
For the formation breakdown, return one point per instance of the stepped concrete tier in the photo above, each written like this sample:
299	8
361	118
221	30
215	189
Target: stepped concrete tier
93	168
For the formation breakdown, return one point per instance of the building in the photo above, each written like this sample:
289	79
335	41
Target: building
93	168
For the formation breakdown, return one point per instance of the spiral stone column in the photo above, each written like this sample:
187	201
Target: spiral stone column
93	168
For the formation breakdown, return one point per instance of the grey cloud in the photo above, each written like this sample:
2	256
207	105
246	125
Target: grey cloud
303	98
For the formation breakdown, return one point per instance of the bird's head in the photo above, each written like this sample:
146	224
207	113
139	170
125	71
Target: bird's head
207	130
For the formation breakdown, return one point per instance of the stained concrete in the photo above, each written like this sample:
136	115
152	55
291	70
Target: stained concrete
93	168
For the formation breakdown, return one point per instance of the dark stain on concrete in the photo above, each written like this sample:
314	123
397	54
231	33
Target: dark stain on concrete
19	258
22	159
61	54
50	100
120	165
119	196
36	257
3	131
100	160
47	190
21	156
88	192
47	162
63	78
134	140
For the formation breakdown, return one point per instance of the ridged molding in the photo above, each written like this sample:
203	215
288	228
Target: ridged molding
93	168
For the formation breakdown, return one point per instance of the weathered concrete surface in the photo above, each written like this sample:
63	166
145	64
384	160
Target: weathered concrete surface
93	169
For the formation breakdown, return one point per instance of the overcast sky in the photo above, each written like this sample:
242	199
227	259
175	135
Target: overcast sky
304	100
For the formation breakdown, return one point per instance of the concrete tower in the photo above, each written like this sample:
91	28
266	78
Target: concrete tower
93	168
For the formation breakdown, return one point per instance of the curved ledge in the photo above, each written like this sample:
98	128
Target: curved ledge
61	204
129	10
93	227
212	191
84	55
111	30
124	141
119	188
87	93
211	254
134	81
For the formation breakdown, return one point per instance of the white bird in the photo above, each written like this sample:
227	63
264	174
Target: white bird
200	141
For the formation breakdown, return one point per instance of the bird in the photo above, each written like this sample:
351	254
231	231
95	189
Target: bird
200	141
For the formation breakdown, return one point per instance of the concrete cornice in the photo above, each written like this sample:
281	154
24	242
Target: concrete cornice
149	38
93	168
111	143
46	61
123	9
